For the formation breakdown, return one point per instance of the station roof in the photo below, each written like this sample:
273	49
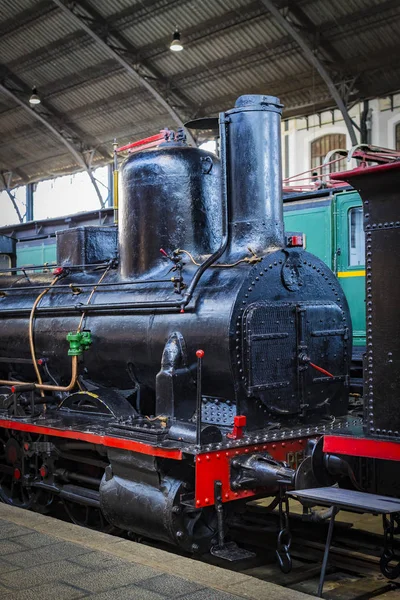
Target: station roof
104	70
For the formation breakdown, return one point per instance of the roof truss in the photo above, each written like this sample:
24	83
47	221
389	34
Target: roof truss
116	46
312	58
15	89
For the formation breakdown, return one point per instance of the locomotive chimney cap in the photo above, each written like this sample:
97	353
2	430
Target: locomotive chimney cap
259	102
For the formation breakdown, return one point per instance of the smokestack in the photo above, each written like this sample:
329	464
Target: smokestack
254	175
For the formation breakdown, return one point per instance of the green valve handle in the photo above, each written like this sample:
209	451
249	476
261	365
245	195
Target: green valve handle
78	342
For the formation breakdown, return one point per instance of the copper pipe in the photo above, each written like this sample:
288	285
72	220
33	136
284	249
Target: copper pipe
74	363
50	388
91	296
31	340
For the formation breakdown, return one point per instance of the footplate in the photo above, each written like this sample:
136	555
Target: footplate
231	552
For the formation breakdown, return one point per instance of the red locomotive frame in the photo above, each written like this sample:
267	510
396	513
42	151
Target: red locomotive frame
215	466
362	447
210	466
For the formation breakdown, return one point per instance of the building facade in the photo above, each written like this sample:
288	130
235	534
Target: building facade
307	140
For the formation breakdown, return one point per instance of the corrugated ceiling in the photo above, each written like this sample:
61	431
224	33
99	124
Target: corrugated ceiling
230	47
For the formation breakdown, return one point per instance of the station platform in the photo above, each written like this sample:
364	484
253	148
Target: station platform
47	559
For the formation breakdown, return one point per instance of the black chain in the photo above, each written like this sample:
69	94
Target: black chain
284	536
391	527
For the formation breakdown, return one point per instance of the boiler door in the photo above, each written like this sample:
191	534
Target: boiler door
282	341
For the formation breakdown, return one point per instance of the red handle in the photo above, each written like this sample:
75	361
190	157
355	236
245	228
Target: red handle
321	370
148	142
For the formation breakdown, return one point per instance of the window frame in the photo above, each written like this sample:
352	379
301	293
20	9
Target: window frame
350	210
339	140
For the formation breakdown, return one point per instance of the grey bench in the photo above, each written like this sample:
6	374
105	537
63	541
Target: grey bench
352	501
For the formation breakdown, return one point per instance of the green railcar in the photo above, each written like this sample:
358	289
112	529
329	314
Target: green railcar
332	223
36	252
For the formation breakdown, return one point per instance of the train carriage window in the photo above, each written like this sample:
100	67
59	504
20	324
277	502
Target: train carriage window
324	144
356	237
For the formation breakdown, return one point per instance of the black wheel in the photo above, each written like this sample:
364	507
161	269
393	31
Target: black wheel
17	473
88	516
13	488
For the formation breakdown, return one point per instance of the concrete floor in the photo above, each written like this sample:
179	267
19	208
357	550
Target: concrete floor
47	559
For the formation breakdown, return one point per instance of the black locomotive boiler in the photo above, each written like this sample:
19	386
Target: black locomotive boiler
151	383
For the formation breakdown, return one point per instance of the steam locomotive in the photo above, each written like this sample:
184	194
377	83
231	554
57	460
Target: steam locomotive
157	383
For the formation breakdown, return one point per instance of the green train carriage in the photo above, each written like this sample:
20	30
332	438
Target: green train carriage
332	224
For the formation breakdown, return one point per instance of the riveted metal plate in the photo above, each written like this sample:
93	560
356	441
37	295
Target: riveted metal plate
379	189
215	466
217	411
270	352
282	339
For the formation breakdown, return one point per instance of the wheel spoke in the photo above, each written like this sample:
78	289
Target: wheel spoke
86	516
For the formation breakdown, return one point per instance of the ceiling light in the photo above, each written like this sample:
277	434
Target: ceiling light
34	99
176	44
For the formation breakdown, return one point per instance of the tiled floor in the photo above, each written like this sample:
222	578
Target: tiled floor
45	559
